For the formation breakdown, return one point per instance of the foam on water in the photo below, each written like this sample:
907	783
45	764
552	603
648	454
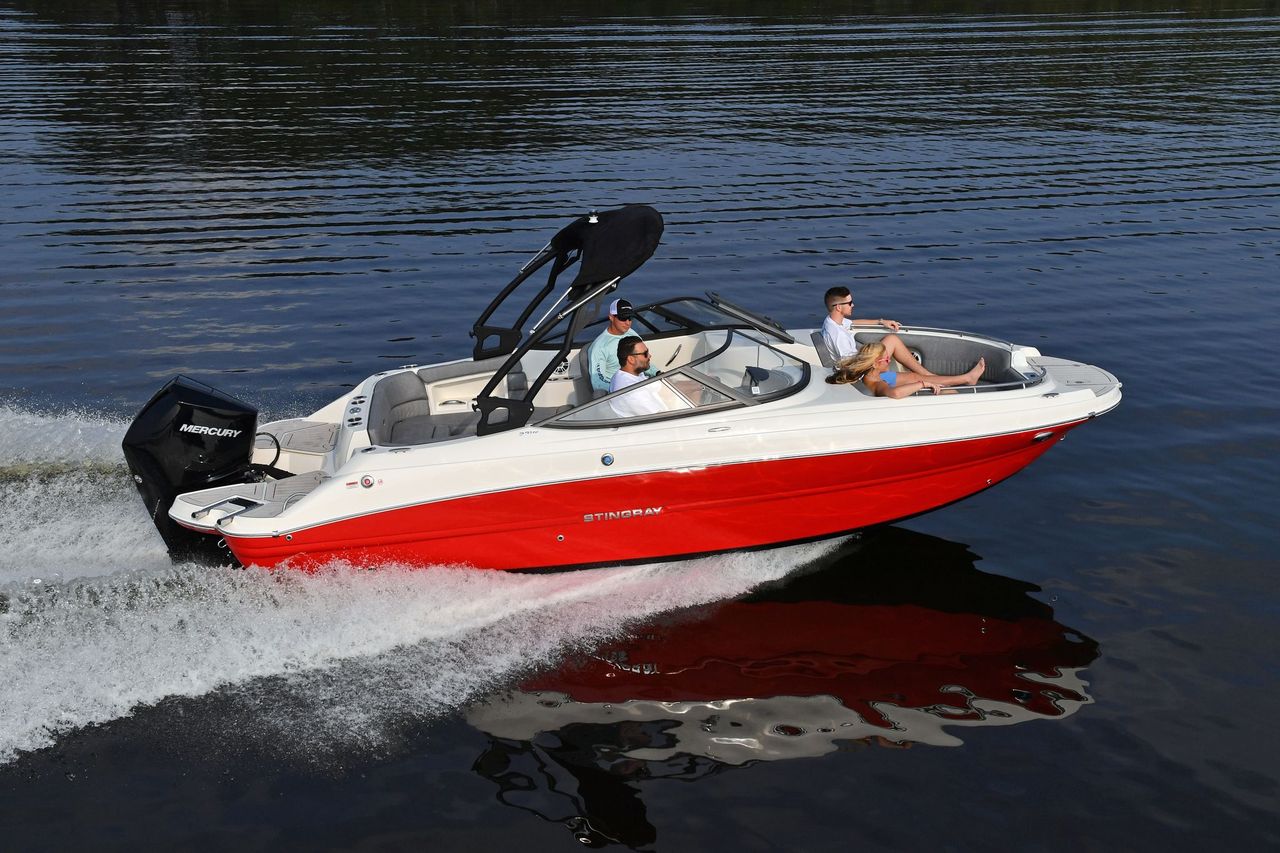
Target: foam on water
67	507
79	438
96	622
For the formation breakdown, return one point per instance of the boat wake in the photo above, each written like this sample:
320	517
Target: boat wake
96	622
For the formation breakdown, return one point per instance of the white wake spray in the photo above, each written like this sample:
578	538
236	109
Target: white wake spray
96	622
79	438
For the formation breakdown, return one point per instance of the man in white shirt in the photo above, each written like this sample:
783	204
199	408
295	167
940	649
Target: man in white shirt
633	361
838	330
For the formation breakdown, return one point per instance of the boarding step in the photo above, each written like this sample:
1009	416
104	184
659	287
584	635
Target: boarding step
252	500
299	436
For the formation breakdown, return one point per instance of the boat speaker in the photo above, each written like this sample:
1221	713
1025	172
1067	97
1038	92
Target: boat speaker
190	436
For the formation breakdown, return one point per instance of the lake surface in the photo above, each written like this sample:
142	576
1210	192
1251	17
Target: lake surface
283	198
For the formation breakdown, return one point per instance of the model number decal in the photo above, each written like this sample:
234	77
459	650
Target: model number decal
623	513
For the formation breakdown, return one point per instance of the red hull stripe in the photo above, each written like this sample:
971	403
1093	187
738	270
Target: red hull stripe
694	511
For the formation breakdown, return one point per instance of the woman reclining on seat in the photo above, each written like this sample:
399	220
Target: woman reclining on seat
871	365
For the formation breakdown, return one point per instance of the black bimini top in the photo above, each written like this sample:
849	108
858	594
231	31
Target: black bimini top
608	246
613	244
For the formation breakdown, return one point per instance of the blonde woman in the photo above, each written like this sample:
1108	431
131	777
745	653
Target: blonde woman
871	367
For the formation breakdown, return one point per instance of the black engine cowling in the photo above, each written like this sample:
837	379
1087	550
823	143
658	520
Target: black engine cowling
190	436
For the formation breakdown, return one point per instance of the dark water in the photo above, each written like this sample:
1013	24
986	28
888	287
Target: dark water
284	198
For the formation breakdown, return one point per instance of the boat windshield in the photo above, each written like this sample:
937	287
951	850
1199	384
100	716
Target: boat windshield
683	315
739	369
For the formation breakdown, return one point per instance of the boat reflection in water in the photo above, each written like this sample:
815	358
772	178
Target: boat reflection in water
895	640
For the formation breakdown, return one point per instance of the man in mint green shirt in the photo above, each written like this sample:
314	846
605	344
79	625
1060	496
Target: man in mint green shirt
604	349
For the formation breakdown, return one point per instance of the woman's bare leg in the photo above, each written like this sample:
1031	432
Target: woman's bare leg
898	351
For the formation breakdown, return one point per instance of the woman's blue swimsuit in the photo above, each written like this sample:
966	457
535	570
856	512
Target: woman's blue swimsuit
890	377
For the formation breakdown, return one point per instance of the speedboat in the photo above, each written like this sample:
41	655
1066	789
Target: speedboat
509	459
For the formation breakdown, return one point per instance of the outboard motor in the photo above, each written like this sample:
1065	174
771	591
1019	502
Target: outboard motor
189	437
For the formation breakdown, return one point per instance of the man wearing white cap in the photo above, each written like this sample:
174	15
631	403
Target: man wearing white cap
604	349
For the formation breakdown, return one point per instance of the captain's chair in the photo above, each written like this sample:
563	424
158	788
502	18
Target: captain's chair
582	389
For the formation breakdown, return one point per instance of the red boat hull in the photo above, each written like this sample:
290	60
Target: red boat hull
663	514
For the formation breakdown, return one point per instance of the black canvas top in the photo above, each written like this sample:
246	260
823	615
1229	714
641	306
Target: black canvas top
613	246
607	246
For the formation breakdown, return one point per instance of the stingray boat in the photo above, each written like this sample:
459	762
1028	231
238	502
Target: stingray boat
509	460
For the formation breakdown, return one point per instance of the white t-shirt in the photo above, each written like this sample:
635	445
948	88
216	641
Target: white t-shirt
839	338
643	401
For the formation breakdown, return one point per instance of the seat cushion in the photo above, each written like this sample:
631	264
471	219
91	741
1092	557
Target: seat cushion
418	430
824	351
395	398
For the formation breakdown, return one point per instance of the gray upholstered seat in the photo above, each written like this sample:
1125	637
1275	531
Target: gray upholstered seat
396	398
420	429
582	388
824	352
949	356
400	411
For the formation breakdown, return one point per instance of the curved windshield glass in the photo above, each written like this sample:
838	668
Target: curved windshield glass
685	314
729	368
747	364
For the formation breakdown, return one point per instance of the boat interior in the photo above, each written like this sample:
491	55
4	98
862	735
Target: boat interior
700	369
429	404
946	354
